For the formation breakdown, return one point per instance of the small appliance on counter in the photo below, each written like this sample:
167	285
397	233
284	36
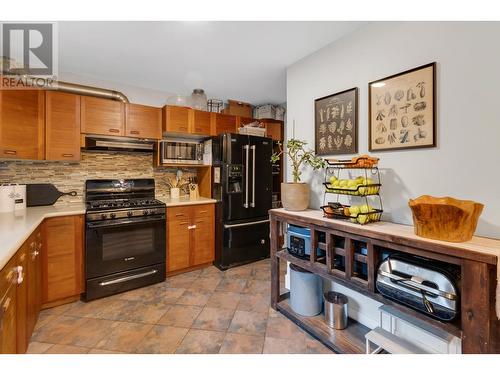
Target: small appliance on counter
422	284
12	197
299	242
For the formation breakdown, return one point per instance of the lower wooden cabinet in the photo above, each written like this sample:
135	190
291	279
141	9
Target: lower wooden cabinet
190	236
8	305
20	296
62	258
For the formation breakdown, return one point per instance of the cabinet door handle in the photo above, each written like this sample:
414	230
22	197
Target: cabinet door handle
183	223
112	130
177	215
135	132
10	152
67	155
192	227
20	275
6	304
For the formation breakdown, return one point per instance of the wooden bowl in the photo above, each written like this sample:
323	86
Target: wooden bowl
445	219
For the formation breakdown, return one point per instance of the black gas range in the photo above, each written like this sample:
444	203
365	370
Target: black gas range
125	236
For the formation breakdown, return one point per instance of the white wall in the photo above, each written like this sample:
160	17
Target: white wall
137	95
466	162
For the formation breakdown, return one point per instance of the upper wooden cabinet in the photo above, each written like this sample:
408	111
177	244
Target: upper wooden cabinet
225	123
102	116
142	121
22	118
62	265
274	130
176	119
201	122
62	126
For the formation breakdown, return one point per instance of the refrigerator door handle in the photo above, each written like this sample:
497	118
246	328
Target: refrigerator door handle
253	147
247	155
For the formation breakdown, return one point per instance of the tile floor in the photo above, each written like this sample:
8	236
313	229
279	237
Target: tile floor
204	311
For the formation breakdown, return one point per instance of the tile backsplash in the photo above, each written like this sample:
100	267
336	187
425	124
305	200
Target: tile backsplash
68	176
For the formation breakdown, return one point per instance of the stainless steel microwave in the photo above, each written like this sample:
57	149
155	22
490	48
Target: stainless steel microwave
182	151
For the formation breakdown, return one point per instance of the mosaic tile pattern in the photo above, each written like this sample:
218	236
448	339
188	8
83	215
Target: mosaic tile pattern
205	311
68	176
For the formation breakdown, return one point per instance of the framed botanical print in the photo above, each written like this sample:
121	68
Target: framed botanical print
336	123
402	110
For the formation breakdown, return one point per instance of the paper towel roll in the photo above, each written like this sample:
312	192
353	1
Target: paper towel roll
19	197
6	198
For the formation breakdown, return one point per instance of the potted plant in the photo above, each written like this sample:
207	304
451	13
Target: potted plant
295	195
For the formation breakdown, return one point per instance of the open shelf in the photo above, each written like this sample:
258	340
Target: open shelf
347	341
361	286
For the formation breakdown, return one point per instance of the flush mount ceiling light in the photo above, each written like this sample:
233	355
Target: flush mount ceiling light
378	84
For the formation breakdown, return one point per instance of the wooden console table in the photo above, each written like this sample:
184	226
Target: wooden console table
477	326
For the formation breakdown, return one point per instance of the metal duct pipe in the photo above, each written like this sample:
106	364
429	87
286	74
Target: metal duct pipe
89	90
73	88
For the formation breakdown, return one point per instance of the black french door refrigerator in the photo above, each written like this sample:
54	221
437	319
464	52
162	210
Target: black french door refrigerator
242	179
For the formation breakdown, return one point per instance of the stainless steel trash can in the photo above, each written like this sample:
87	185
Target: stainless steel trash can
336	310
306	290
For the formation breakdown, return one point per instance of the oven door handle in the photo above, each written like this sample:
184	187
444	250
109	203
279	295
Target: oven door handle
127	278
107	224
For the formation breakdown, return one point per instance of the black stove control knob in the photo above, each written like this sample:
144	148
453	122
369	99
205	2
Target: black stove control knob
130	213
104	216
112	215
146	212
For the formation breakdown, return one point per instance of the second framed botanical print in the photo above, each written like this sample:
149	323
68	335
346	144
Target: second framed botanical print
402	110
336	123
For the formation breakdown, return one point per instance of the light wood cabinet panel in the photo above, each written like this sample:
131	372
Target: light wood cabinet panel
176	119
225	123
204	234
22	299
102	116
8	302
274	130
22	119
178	245
202	122
62	264
190	232
34	280
62	126
143	121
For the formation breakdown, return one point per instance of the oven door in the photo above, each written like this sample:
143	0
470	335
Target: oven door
124	244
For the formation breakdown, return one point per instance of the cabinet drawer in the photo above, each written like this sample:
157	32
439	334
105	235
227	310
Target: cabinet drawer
203	211
178	214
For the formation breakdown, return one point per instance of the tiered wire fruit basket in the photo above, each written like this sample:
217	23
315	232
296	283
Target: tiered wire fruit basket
360	178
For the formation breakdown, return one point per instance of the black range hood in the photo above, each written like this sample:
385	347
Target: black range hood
118	144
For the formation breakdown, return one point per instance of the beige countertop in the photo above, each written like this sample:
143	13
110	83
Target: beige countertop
16	227
184	201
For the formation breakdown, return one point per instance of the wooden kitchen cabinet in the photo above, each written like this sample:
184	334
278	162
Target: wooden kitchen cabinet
176	119
62	259
8	302
34	280
62	126
225	123
190	237
274	130
201	122
22	118
102	116
143	121
22	299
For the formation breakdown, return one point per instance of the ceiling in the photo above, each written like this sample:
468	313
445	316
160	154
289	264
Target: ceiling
231	60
